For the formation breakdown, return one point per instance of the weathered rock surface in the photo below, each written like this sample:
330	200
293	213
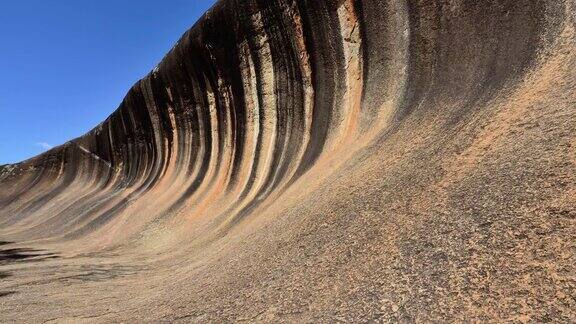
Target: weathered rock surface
316	160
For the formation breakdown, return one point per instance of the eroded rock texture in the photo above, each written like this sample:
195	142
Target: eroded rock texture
316	160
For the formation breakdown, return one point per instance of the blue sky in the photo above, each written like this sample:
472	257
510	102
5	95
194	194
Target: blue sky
66	65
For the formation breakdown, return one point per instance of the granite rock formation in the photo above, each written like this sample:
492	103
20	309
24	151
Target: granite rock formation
316	160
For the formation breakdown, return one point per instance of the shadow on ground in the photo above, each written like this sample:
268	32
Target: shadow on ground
19	255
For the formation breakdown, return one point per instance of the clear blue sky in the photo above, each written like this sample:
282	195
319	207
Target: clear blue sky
66	65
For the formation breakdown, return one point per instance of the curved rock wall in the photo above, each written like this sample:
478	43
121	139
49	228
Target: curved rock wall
278	105
257	92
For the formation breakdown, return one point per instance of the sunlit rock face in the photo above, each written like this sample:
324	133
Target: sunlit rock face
316	160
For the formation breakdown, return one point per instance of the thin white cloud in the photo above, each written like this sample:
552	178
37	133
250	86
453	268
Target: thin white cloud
44	145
